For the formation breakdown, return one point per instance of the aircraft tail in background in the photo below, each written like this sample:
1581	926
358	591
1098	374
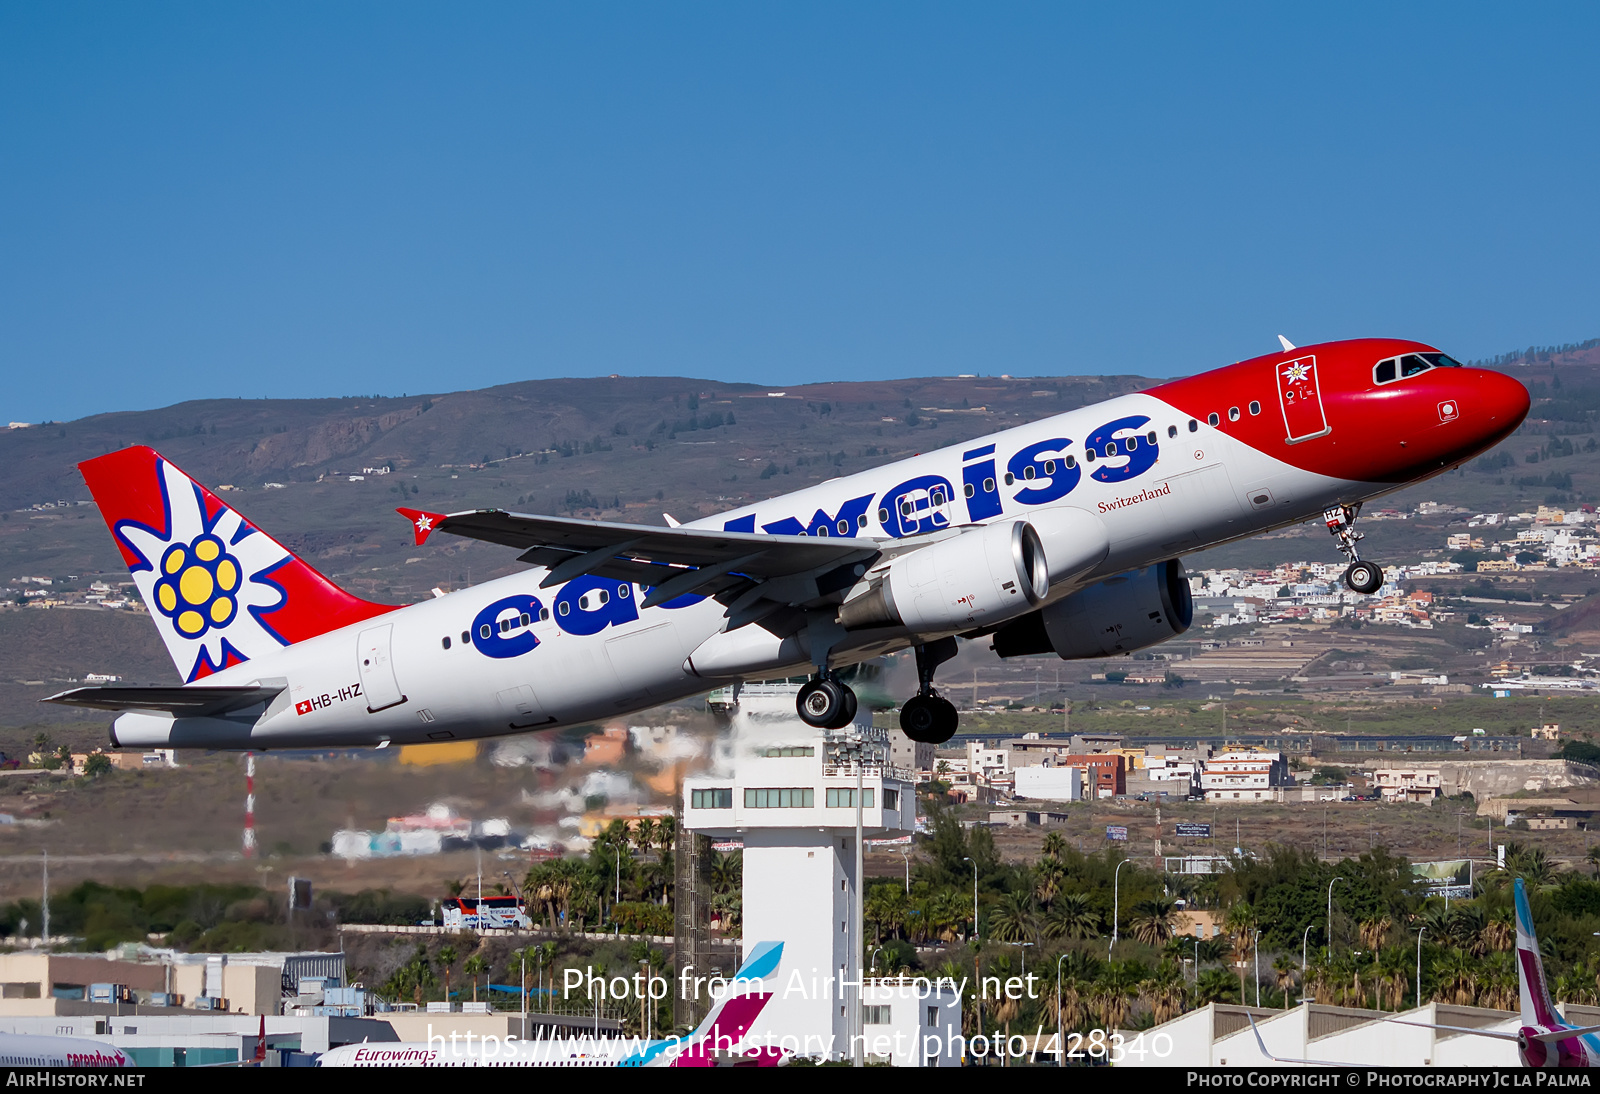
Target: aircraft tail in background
1537	1009
220	590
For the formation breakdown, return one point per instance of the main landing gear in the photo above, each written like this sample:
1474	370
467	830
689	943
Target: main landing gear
928	717
826	703
1362	577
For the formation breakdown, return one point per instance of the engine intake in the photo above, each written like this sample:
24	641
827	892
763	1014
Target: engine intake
1118	615
982	577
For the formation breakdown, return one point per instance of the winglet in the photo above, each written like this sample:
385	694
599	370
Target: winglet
1288	346
422	523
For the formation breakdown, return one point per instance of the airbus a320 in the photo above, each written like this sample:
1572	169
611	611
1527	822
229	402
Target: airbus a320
1062	536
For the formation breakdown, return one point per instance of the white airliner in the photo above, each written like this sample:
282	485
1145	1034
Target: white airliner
1059	536
1545	1038
26	1050
718	1040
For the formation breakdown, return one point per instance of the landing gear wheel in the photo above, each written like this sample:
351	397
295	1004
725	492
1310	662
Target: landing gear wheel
1364	577
929	719
826	704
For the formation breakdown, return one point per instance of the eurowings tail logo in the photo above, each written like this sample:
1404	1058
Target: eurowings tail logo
219	589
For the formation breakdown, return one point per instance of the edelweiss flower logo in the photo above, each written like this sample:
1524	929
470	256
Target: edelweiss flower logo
208	578
1297	372
196	586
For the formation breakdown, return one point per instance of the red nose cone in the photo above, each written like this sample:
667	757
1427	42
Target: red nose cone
1505	395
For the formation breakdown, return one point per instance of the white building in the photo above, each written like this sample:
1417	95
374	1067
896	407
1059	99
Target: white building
1220	1035
1244	774
1056	784
988	765
789	792
1407	784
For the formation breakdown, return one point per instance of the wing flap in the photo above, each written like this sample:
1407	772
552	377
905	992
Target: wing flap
187	702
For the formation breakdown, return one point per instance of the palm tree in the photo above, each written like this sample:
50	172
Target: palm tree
1048	874
1115	992
1070	917
1499	935
1055	845
644	834
447	957
1014	920
1394	963
1373	931
1240	923
1458	978
1078	971
885	909
1285	973
1153	920
474	966
1216	985
1497	983
1593	857
1167	991
727	871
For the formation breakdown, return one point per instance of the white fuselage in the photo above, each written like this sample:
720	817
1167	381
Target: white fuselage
427	672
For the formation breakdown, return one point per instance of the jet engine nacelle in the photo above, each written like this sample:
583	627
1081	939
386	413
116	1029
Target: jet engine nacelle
979	578
1118	615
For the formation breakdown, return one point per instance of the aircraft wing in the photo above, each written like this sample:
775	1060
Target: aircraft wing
188	702
1262	1045
673	561
1487	1033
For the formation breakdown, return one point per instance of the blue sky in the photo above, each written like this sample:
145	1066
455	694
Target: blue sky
304	199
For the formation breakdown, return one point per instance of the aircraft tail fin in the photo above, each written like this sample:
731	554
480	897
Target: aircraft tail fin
1537	1009
219	589
731	1017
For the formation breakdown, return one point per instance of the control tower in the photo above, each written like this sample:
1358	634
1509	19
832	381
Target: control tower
788	791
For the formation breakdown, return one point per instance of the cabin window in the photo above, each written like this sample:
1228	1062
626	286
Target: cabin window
1089	454
1072	461
1151	436
446	641
1111	449
1212	419
1172	431
1049	467
1255	407
1028	472
1233	414
883	516
486	631
466	637
1010	478
968	490
1131	443
988	486
1194	426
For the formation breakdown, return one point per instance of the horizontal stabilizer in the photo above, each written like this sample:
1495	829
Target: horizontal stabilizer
187	702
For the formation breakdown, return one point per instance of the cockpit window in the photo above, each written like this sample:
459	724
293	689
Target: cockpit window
1412	364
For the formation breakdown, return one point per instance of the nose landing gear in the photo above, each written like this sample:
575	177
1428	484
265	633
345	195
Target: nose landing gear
928	717
1362	577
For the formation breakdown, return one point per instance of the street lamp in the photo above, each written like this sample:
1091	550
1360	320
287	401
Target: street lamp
1258	966
1330	915
1303	936
905	853
974	897
1023	949
1115	903
1061	1049
1420	932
